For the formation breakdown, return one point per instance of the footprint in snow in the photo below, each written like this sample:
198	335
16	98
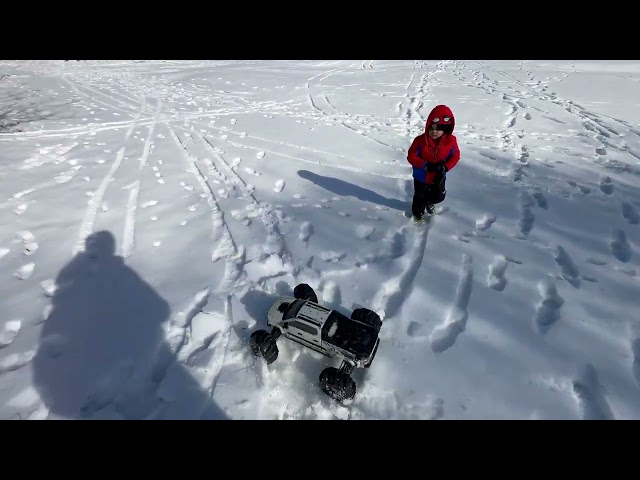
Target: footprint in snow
496	278
568	269
330	256
9	332
620	247
606	186
306	230
541	199
16	361
630	213
25	272
26	237
49	287
331	294
548	310
364	231
20	209
485	222
279	186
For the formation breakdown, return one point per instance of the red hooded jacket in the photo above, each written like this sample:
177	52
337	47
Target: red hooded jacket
425	150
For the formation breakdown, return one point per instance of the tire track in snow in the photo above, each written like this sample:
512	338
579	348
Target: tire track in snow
234	273
392	294
177	332
214	366
337	115
589	395
96	90
310	95
226	247
70	131
267	140
128	239
363	171
199	343
275	238
95	100
86	227
444	336
361	133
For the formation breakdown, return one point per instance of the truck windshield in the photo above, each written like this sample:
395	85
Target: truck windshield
293	309
349	335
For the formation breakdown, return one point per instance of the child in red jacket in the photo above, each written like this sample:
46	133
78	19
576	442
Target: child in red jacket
432	155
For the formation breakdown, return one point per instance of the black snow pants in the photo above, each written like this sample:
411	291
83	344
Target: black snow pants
424	194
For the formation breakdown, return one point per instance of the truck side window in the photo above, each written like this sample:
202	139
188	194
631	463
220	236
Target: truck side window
304	327
293	310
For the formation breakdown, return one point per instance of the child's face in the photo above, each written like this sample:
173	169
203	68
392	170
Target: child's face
433	133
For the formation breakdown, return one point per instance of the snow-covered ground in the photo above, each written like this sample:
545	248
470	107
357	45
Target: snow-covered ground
151	212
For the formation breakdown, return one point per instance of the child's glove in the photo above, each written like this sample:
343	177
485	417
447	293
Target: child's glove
441	168
441	173
438	167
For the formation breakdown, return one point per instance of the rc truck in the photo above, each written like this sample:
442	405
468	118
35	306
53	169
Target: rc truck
354	340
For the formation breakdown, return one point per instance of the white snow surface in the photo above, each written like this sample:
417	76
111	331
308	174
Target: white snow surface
152	211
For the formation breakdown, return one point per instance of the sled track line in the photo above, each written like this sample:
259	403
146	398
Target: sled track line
337	116
94	90
125	92
86	227
271	224
84	130
369	137
238	181
130	98
128	239
225	346
93	99
274	142
308	87
401	176
228	246
71	131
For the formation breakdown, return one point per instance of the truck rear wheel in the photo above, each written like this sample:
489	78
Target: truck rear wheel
337	384
264	345
305	292
367	316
